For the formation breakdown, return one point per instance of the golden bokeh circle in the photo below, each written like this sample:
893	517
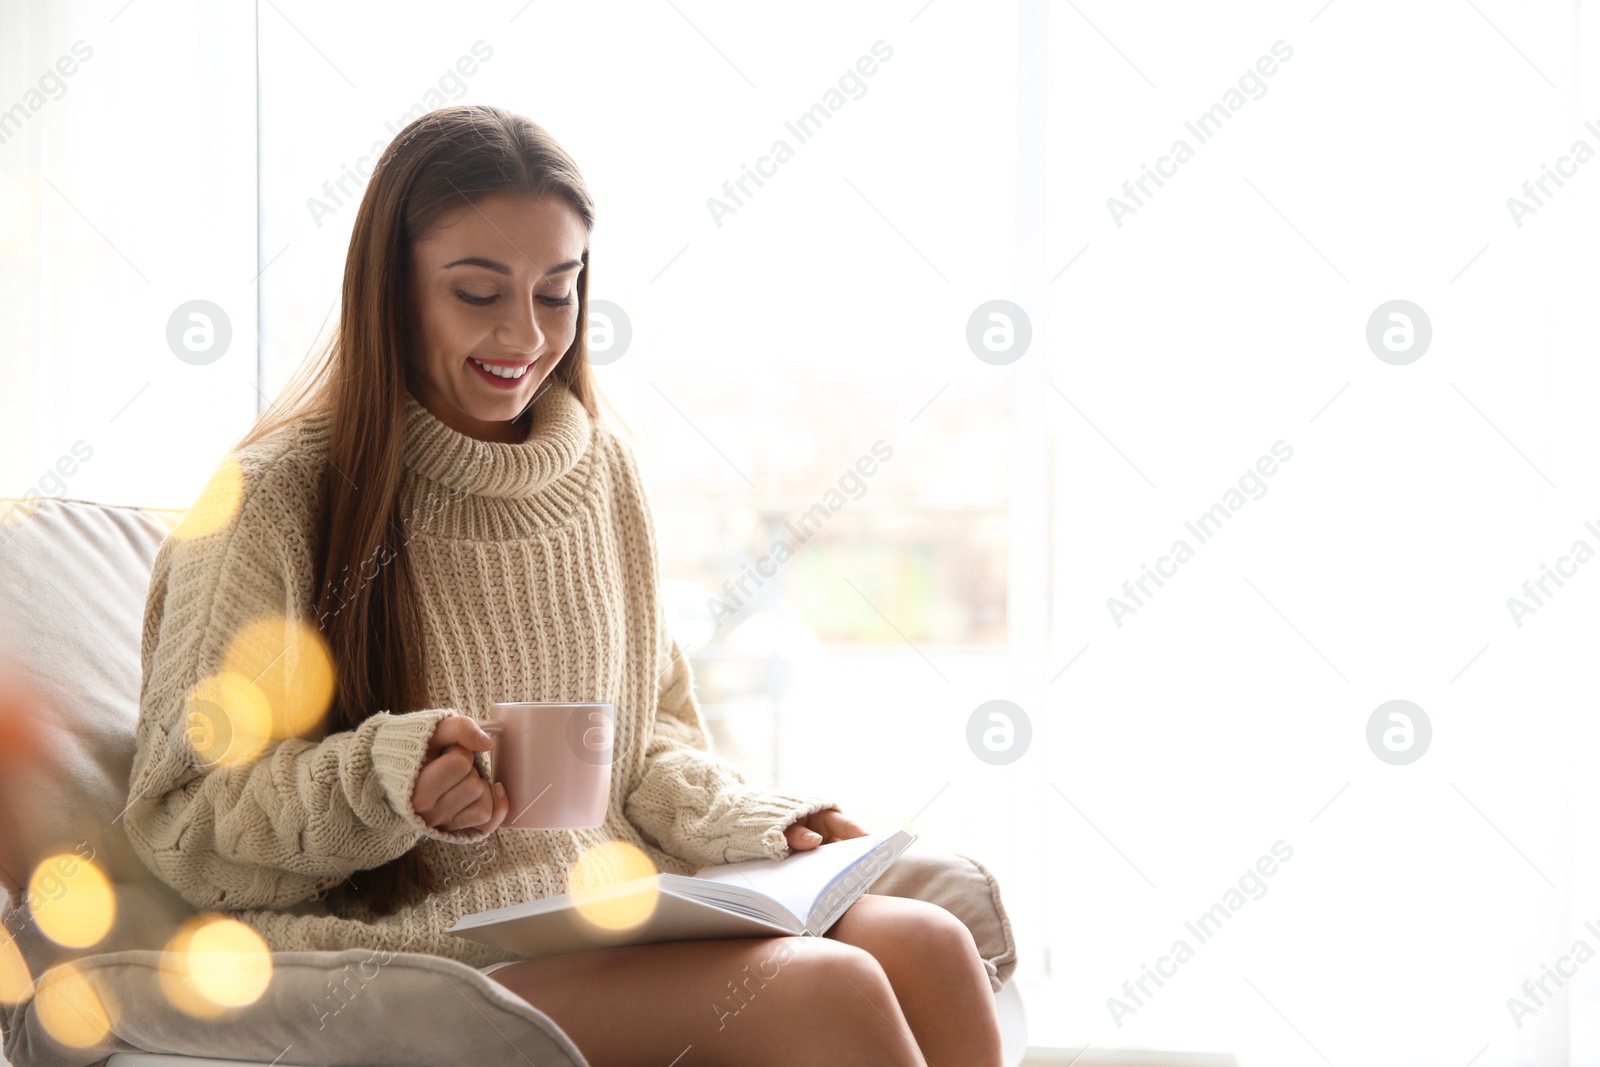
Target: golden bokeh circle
228	962
70	1008
227	720
14	511
72	901
167	518
214	963
173	973
288	661
218	501
16	984
597	880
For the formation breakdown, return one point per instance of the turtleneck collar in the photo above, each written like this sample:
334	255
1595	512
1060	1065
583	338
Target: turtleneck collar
560	436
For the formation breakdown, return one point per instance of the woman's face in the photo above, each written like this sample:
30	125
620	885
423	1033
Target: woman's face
494	285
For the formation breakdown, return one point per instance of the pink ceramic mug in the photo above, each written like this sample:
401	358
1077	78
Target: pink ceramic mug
554	758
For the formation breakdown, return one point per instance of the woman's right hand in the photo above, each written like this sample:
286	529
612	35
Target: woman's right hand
450	793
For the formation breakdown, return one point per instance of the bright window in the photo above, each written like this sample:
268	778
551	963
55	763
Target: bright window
815	359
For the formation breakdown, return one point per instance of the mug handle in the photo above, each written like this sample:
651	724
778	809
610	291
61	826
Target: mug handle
496	730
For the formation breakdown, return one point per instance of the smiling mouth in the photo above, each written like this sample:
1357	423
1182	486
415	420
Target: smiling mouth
505	371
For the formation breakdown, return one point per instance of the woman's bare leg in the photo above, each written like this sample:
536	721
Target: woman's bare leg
937	975
774	1001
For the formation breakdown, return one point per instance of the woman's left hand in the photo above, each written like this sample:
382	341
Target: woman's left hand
820	828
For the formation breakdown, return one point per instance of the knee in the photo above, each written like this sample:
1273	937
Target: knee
949	933
828	970
927	934
821	978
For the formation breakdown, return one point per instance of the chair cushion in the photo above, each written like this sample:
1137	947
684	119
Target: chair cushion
965	888
73	579
341	1009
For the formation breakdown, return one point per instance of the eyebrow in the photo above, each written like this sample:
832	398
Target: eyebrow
501	268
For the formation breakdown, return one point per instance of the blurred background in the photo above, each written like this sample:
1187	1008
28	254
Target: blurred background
964	269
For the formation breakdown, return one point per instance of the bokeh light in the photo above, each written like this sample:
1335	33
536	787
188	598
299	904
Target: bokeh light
71	900
16	984
227	721
176	983
70	1007
16	510
229	963
597	877
165	517
218	501
214	963
288	661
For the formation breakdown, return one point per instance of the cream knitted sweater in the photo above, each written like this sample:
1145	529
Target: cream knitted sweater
535	567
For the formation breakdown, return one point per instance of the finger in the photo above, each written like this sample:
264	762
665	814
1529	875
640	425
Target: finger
476	737
458	730
839	827
478	812
444	735
460	804
502	807
817	822
467	732
802	837
440	776
823	823
455	802
475	815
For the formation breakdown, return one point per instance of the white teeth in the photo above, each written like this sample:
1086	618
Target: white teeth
501	372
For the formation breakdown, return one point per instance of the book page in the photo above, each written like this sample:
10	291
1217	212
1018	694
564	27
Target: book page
797	881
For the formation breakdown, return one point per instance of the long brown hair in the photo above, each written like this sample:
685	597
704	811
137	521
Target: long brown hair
444	160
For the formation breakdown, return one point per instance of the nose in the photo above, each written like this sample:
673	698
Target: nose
520	329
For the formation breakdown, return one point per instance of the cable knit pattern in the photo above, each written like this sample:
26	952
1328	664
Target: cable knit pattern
536	571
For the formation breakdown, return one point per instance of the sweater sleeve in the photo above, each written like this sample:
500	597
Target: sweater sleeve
693	803
304	812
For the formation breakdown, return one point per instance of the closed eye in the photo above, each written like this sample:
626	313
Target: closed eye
483	301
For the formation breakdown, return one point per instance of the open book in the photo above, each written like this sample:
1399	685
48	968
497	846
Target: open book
803	893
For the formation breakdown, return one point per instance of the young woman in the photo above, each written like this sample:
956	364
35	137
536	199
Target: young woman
439	494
